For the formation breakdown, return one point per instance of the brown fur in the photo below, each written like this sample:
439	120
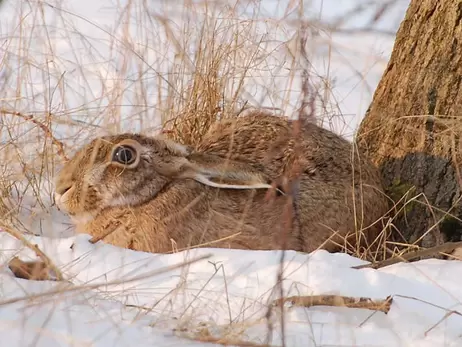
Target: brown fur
162	203
340	189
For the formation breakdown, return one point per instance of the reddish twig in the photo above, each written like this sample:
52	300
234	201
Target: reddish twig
30	118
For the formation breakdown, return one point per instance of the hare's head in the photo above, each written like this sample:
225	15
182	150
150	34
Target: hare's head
131	169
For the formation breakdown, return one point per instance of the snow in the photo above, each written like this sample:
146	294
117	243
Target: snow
119	297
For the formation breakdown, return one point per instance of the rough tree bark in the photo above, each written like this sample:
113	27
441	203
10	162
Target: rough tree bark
412	129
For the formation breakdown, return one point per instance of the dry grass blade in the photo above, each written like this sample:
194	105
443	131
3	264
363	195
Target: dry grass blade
444	248
223	341
338	301
290	181
448	313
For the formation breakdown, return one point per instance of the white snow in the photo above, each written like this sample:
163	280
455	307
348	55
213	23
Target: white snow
229	286
118	297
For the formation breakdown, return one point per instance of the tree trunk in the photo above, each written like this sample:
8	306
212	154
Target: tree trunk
412	128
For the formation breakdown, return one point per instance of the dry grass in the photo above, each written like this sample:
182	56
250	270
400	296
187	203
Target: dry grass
176	69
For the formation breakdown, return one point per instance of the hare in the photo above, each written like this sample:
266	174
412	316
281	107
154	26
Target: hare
152	194
340	190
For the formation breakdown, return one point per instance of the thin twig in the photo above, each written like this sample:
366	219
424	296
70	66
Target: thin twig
338	301
59	145
448	312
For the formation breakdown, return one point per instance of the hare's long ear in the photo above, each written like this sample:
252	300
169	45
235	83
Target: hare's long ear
230	179
210	170
222	173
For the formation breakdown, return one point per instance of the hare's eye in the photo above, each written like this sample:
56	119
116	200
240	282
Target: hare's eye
124	155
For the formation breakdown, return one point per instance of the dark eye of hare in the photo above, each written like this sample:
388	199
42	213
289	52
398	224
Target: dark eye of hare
124	155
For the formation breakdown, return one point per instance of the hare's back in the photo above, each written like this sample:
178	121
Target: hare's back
267	142
249	135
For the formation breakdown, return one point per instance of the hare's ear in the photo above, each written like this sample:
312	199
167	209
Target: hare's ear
210	170
225	174
230	179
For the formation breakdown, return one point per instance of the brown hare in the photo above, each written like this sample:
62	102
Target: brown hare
155	195
340	190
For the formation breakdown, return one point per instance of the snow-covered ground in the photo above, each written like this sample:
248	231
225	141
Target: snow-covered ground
227	294
117	297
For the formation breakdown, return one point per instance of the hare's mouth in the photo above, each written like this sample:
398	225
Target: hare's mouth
59	201
62	198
